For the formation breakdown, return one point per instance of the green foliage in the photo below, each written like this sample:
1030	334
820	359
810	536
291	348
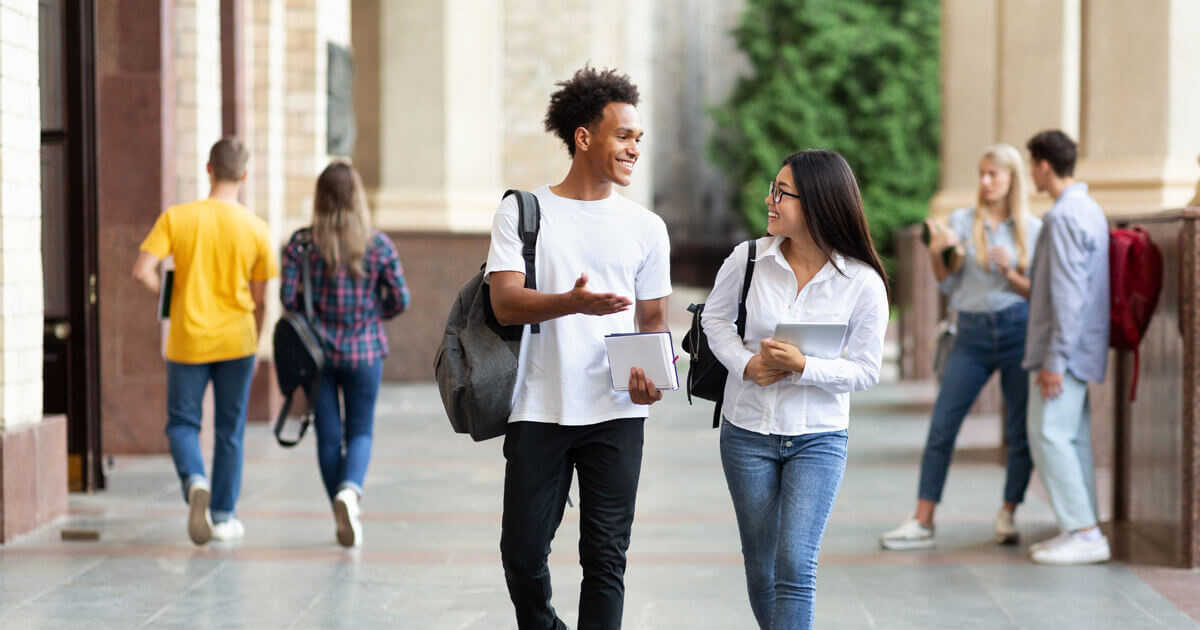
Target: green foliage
860	77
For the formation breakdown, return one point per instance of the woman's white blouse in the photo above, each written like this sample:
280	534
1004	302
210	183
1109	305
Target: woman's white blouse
817	400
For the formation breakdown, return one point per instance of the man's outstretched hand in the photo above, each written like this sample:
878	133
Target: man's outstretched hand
588	303
641	389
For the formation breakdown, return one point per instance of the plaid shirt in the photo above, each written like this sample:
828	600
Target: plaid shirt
349	311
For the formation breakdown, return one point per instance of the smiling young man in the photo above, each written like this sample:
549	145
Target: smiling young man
603	267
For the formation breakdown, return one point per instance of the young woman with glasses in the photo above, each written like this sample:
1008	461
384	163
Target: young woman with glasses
783	440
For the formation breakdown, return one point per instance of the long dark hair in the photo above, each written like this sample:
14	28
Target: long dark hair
833	207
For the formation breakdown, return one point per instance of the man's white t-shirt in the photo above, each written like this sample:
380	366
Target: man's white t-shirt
563	375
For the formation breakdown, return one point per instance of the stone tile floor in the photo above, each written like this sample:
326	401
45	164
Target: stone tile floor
431	557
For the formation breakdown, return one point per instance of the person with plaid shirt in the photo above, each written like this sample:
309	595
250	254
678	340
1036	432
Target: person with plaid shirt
357	282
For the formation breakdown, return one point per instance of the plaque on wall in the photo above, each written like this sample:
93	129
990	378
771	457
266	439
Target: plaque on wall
340	129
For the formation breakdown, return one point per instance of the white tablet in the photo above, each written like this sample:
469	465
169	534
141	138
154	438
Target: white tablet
821	340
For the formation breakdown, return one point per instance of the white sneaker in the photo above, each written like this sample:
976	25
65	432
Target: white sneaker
1049	542
1074	550
228	530
1006	530
199	522
346	513
909	536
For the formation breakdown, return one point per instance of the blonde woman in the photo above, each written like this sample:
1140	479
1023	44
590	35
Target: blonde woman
357	282
987	289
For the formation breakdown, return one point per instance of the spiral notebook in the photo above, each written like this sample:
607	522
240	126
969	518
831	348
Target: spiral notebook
653	353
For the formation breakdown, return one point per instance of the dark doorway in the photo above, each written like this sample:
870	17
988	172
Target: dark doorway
71	349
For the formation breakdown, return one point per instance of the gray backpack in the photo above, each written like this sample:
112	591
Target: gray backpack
476	365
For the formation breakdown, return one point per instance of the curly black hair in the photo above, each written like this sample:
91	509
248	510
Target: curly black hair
581	100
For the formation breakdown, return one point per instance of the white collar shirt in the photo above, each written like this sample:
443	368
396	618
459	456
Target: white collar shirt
818	399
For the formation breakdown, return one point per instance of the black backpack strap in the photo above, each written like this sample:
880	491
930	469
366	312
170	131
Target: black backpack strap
741	316
745	288
306	278
307	285
529	220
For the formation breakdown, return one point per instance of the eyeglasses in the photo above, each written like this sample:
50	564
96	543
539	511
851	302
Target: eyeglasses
776	193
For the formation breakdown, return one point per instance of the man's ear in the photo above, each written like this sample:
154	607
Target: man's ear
583	138
208	167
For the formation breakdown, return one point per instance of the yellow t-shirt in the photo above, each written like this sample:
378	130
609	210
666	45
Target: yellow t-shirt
219	249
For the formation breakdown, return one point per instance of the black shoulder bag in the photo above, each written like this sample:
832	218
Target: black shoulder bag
706	375
299	354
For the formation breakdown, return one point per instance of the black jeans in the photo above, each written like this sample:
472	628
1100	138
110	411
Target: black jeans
541	458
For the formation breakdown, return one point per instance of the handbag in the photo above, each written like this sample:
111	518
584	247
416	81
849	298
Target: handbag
707	375
299	354
943	343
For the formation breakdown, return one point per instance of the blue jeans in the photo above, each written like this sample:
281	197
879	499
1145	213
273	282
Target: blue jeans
343	455
1061	432
783	490
186	383
986	343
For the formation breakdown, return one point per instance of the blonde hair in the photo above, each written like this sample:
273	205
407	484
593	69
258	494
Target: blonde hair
1007	157
341	222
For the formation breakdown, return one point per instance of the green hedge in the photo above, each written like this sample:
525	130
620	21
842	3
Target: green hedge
857	76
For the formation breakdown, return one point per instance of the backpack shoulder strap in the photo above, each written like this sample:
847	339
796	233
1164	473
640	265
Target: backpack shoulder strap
751	252
529	221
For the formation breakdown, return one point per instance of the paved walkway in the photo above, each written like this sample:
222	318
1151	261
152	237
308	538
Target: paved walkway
431	561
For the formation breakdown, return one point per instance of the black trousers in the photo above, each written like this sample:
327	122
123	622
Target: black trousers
540	461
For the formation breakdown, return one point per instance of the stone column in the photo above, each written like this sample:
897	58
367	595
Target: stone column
544	44
310	26
462	91
970	96
20	218
1039	70
435	161
263	58
135	102
1140	130
198	103
33	476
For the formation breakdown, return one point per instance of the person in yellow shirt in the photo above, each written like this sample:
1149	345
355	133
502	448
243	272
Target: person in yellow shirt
223	260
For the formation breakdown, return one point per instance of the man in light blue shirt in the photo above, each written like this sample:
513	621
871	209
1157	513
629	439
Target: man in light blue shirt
1067	347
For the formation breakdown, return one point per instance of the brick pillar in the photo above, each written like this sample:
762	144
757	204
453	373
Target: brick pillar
33	475
263	55
135	105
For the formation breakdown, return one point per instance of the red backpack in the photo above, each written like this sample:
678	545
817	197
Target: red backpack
1135	269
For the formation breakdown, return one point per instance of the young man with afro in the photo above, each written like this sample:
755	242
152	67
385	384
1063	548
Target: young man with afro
602	267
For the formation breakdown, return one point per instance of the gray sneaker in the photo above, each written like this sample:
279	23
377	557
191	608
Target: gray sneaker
1006	531
910	536
199	521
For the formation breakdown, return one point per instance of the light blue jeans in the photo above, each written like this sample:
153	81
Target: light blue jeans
1060	440
783	490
